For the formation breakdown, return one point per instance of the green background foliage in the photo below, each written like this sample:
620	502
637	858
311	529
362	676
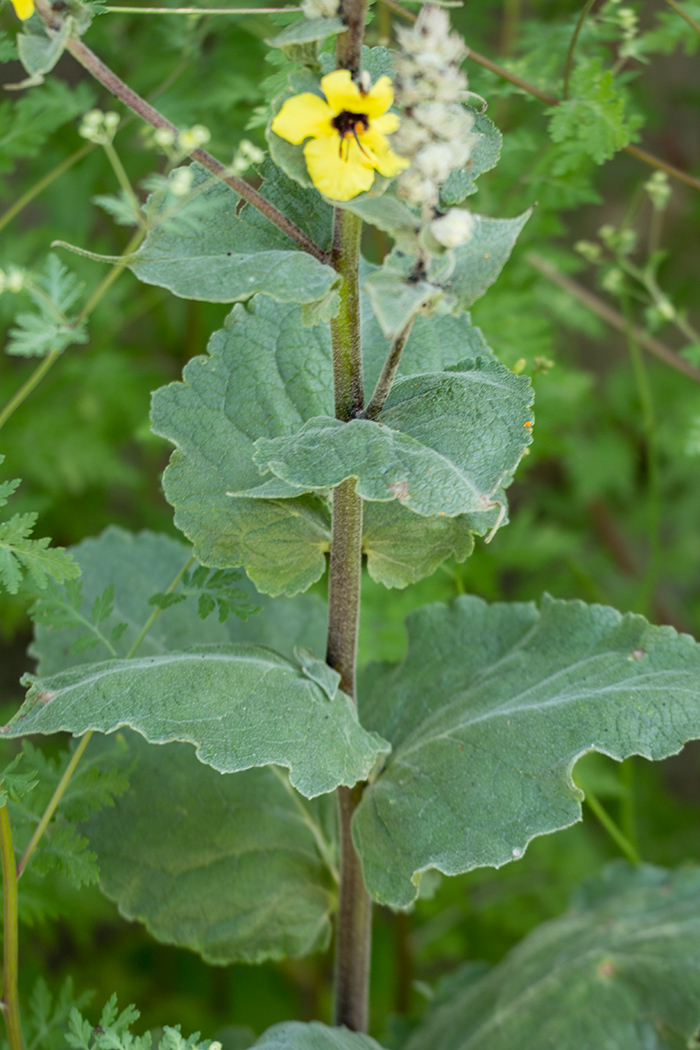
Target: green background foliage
604	507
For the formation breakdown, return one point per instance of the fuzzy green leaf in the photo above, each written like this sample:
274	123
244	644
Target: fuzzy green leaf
228	866
40	48
240	705
474	776
592	123
484	157
621	970
478	263
230	255
442	445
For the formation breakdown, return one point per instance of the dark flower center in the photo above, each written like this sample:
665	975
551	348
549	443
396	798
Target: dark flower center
350	125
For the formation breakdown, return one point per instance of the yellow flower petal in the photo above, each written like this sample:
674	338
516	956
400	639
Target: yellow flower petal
338	177
386	124
387	162
300	117
24	9
342	93
379	98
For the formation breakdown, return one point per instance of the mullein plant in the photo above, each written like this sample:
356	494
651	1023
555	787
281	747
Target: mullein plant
334	422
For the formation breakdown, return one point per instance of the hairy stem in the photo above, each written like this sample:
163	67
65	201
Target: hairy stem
94	65
391	365
345	327
354	923
10	948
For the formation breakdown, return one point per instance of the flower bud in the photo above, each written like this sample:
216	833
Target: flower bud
164	137
15	280
193	138
180	182
658	189
454	228
320	8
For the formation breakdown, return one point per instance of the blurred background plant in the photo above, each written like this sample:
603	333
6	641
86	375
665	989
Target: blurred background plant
599	304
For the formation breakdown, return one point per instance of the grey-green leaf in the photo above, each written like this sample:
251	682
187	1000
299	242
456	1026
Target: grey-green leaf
39	49
141	565
240	705
484	157
265	372
228	866
487	716
293	1035
479	262
443	444
402	547
230	254
619	971
396	300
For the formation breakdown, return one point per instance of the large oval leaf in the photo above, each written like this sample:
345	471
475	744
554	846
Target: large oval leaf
228	866
240	705
619	971
487	716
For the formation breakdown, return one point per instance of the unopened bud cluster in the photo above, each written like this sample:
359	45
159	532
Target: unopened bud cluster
246	154
99	127
436	130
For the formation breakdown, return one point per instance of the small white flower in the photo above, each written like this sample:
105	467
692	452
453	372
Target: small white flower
164	137
180	182
193	138
454	228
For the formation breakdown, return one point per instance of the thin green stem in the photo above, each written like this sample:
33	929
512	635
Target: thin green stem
42	183
157	611
28	386
391	365
124	181
572	46
54	802
10	948
611	827
324	847
646	399
684	14
109	278
627	808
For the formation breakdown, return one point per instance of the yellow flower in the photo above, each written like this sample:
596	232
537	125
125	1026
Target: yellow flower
24	9
346	134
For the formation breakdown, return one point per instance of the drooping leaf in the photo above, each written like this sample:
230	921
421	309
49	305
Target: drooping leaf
484	157
241	705
620	970
442	445
487	716
228	866
402	547
139	566
230	255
